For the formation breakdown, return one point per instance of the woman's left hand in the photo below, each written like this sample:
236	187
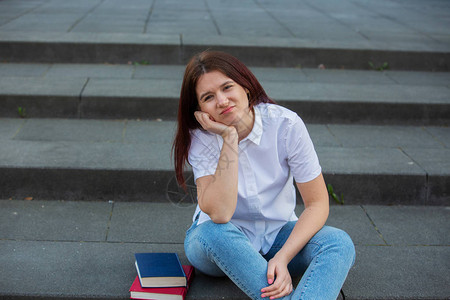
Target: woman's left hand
279	279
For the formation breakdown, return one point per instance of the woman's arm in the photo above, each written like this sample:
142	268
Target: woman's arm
315	197
312	219
217	194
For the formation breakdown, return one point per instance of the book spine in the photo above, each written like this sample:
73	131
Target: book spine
179	263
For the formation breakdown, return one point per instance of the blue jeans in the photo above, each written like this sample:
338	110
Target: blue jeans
222	249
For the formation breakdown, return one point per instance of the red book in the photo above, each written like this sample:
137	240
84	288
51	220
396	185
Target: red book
170	293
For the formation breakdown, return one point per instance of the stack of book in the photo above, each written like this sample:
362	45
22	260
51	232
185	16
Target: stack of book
160	277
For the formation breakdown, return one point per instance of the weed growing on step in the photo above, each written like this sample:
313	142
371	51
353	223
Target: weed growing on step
383	67
334	196
141	63
21	111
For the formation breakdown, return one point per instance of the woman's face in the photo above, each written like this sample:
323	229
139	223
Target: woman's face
222	98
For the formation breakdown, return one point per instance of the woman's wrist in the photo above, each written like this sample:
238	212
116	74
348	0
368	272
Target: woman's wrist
281	256
230	134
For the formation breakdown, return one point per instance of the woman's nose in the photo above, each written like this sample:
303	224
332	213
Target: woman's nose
222	100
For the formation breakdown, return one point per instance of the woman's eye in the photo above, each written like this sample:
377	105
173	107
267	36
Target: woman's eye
207	98
227	87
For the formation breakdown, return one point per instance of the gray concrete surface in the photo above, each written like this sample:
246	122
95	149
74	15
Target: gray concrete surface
404	272
150	92
86	249
131	160
397	154
408	35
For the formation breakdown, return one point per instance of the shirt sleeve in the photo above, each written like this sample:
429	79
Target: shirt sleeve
302	157
203	154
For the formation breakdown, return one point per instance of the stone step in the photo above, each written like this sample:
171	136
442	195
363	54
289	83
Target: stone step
91	47
151	92
398	154
128	160
85	250
405	35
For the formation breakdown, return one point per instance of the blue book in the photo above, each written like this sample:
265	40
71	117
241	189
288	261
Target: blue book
160	270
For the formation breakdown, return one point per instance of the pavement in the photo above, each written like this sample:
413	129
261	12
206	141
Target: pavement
350	34
88	100
85	250
99	91
130	160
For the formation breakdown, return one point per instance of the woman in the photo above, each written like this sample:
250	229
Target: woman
245	152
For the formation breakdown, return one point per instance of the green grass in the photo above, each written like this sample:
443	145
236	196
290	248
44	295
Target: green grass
334	196
383	67
21	111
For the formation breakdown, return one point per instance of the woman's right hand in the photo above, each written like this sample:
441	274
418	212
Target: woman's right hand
217	193
209	124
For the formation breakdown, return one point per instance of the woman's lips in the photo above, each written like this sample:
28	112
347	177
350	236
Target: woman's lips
227	110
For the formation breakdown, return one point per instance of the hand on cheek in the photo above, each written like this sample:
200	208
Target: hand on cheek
208	123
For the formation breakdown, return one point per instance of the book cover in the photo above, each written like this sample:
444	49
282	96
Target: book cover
160	270
171	293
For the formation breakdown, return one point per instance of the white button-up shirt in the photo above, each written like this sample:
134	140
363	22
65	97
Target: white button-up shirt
277	150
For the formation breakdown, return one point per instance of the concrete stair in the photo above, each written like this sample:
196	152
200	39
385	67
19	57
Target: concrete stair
92	131
151	92
130	160
73	47
85	250
88	99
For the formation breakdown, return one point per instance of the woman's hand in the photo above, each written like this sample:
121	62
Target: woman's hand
209	124
217	194
279	279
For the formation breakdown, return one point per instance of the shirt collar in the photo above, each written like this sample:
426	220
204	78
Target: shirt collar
256	133
257	130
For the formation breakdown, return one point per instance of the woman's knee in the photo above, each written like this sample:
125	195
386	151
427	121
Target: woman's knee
205	244
347	247
208	235
339	241
215	234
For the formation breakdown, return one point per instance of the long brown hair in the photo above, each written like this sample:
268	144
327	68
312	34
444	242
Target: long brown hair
200	64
